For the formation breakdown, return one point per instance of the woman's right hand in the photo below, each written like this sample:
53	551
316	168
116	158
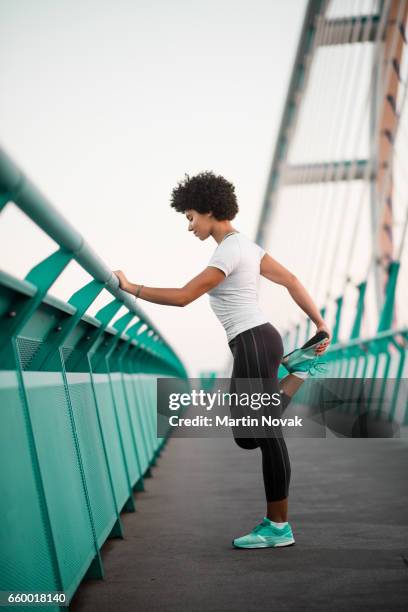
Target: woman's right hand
325	343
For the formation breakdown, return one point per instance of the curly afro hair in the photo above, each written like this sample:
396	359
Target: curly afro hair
206	192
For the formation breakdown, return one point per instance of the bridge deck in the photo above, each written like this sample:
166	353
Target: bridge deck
348	510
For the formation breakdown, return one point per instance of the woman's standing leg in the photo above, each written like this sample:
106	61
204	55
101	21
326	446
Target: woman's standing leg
257	354
275	457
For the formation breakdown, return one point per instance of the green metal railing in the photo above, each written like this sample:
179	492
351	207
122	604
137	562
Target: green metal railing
78	408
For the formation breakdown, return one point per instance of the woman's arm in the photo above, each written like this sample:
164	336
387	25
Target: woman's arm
200	284
275	272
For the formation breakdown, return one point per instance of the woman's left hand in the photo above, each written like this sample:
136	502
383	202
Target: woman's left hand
123	281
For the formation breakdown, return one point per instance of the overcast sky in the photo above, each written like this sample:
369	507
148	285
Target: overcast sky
105	105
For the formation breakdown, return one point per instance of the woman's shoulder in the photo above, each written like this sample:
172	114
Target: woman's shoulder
250	248
246	240
237	241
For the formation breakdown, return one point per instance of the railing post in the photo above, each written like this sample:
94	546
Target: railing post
355	331
387	312
336	329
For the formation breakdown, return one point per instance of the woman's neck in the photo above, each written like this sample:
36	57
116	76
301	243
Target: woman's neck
220	232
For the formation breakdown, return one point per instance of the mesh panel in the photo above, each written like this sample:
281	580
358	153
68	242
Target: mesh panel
27	349
92	453
106	410
63	486
67	351
22	566
125	427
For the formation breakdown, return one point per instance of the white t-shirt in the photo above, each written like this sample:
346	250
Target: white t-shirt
235	300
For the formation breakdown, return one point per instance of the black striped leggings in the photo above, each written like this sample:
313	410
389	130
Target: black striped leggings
257	353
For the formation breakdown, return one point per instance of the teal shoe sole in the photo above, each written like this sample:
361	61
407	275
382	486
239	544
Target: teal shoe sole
264	545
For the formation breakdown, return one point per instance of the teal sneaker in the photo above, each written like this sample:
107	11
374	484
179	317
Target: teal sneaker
266	535
304	359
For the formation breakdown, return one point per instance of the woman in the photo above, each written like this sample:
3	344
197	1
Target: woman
231	278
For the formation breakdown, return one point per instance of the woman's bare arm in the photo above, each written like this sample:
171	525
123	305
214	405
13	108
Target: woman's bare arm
195	288
275	272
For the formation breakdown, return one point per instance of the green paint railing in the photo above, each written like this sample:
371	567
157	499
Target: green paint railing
382	356
77	408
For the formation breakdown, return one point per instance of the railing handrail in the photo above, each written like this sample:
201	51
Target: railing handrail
20	190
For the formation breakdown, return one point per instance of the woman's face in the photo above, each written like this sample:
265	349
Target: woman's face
199	223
